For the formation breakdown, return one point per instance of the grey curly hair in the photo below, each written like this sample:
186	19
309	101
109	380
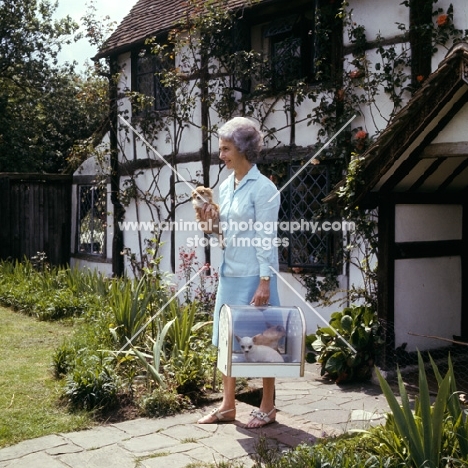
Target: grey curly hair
245	135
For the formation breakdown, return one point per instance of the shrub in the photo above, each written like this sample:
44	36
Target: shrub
62	360
93	384
47	293
347	348
346	451
163	402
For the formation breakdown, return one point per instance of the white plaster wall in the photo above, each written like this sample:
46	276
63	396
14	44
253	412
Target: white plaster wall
81	264
380	17
419	223
306	135
456	130
125	137
375	118
427	301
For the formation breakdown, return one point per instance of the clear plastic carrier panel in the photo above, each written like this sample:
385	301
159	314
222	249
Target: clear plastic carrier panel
261	341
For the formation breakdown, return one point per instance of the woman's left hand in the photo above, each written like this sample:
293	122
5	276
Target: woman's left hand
262	294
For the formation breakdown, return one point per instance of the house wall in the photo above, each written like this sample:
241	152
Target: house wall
291	291
382	21
429	288
379	18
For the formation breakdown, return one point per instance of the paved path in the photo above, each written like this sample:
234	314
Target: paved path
308	408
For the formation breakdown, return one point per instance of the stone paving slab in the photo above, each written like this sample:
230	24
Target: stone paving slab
31	446
97	437
111	456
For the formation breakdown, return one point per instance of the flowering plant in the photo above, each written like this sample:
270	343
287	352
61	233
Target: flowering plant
443	20
204	293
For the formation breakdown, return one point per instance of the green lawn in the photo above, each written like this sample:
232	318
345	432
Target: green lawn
29	404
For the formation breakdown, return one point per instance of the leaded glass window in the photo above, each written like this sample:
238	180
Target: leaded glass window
303	217
309	244
148	80
288	50
91	219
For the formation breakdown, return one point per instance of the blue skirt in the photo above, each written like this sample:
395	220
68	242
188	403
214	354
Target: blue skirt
239	290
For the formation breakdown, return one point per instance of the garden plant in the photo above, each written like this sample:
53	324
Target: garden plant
131	337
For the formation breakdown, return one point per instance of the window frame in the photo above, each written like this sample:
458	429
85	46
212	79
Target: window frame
157	67
321	58
101	198
333	239
294	27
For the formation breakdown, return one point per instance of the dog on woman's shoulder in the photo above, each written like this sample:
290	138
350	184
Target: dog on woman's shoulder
200	196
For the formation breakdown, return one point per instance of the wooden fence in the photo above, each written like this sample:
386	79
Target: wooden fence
35	216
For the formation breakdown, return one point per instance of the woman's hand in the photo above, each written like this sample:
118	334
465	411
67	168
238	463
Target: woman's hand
210	217
262	294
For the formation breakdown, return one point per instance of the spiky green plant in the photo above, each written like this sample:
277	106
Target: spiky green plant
422	433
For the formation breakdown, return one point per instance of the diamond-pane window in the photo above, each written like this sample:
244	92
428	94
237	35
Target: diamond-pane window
309	246
148	80
91	219
302	213
288	50
286	61
306	46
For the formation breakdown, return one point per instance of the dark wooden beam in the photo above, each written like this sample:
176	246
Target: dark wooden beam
458	170
428	249
445	149
400	173
427	173
386	277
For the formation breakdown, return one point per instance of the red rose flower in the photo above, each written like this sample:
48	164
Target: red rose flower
442	20
361	135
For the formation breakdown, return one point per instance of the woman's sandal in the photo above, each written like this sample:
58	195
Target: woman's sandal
261	416
216	417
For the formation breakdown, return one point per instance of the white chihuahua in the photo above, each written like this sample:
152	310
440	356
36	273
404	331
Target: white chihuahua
258	353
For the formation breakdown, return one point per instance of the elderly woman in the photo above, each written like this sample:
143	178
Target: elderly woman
246	274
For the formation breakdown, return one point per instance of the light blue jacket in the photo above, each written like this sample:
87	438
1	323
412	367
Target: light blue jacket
249	224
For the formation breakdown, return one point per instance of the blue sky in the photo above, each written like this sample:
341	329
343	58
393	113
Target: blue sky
82	51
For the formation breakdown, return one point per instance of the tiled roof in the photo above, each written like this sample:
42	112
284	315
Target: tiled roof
145	19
